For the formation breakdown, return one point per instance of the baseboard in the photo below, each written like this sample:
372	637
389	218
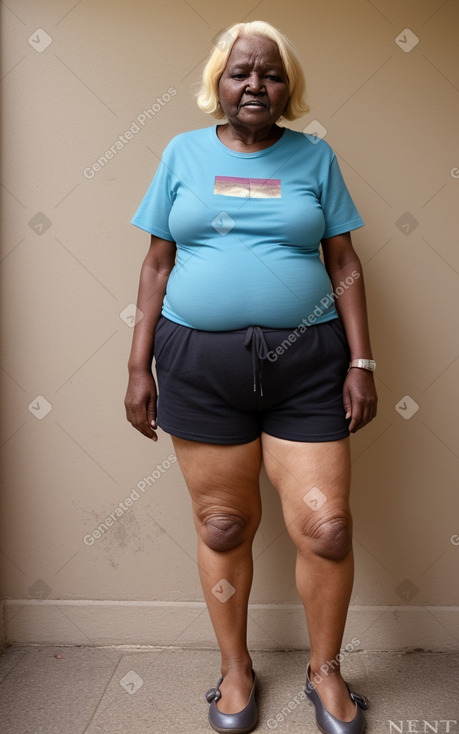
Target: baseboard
187	624
2	625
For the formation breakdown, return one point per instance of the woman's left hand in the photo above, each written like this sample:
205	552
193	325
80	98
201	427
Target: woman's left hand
359	398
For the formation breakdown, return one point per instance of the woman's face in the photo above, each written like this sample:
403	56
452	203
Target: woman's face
253	89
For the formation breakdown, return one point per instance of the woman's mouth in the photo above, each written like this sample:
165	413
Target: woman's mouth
254	103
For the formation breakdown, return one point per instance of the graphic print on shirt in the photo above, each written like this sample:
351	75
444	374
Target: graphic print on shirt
248	188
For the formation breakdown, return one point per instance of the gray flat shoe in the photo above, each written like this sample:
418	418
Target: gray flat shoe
242	722
329	724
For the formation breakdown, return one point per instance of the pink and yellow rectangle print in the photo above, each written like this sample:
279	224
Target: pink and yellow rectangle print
248	188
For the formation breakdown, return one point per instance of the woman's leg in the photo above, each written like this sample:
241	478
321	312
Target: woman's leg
223	482
313	481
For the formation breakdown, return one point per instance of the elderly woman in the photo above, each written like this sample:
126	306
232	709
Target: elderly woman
262	353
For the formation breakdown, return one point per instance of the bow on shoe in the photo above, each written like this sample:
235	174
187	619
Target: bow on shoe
214	694
359	700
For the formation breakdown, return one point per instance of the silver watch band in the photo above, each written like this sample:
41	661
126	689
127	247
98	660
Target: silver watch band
363	364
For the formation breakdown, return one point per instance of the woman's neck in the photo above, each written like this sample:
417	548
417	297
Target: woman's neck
244	140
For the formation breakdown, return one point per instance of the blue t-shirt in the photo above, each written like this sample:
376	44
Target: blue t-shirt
248	228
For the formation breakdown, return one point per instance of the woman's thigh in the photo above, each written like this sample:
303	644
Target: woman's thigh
312	479
221	479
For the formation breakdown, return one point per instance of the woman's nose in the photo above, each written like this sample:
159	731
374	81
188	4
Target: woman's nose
254	84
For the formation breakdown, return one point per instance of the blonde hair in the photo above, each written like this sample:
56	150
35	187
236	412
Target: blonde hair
207	95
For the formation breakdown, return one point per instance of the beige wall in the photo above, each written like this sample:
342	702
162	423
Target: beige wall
70	267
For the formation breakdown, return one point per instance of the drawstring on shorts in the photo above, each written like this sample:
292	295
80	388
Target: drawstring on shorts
255	340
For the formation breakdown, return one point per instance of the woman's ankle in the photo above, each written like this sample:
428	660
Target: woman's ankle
320	672
242	666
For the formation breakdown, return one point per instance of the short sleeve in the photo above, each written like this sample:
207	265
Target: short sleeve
339	210
153	212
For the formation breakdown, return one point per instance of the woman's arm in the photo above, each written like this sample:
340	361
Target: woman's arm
141	395
342	262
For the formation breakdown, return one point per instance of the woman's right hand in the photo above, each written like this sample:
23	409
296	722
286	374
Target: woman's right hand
140	403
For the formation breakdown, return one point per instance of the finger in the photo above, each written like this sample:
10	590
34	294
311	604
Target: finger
353	411
141	427
143	424
362	417
153	435
354	425
151	428
147	430
151	412
356	418
347	403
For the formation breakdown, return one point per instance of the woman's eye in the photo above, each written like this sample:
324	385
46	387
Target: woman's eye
271	77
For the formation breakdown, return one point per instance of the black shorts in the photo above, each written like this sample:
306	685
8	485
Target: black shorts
228	387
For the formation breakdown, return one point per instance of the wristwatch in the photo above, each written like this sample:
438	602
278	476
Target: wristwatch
363	364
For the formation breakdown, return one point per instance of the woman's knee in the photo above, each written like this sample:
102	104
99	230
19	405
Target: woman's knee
224	531
328	537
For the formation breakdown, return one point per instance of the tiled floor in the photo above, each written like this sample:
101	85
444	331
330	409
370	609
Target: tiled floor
78	690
